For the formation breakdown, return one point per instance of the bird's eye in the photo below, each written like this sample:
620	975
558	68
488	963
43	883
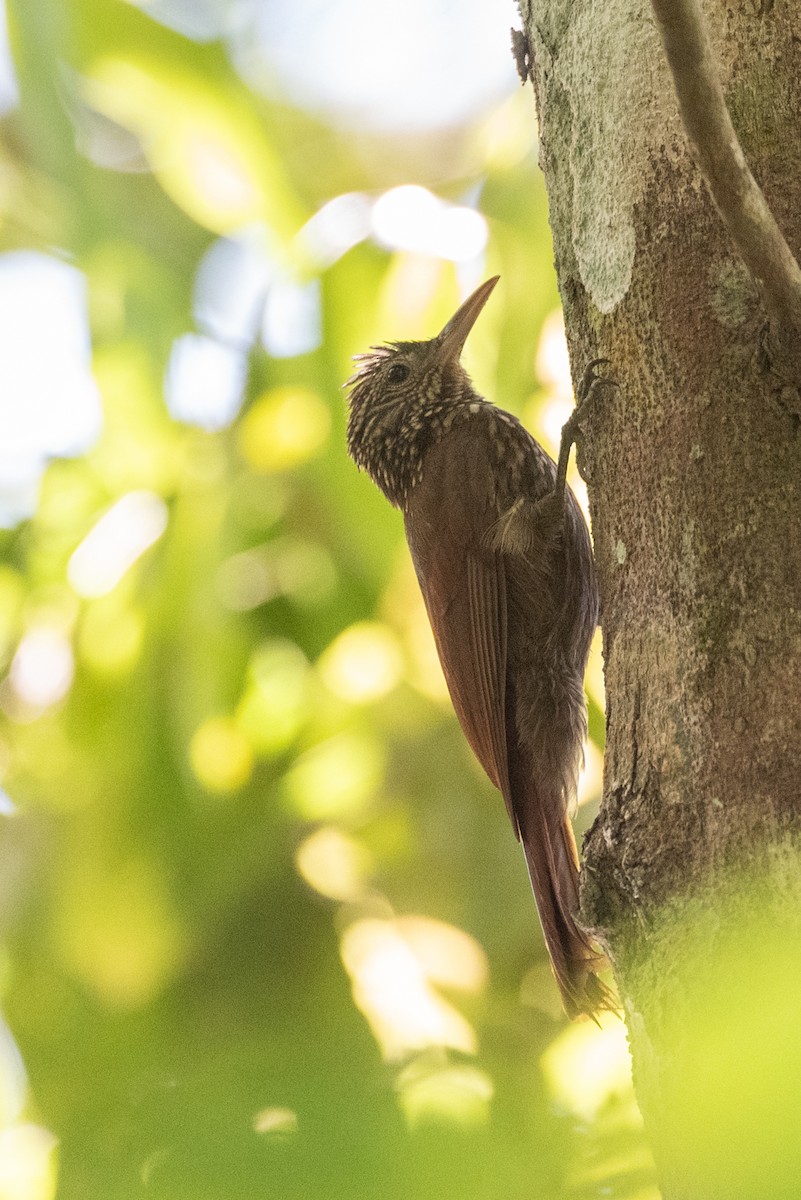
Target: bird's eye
397	373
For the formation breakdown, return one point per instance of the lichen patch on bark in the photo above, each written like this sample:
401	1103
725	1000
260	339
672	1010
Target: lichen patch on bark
607	61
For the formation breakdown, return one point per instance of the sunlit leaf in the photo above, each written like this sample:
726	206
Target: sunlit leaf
207	149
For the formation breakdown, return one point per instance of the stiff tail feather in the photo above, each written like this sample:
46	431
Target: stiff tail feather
552	861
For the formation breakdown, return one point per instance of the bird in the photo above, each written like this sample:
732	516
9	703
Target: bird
504	560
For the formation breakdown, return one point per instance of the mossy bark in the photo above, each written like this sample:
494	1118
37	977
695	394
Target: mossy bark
692	872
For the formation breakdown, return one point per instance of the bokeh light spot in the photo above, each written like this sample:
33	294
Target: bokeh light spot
231	284
337	778
13	1080
363	663
276	1121
390	987
43	667
292	321
274	705
334	864
337	227
594	677
27	1162
446	1094
49	404
547	418
113	545
119	932
283	429
449	956
508	134
215	171
553	358
221	755
590	780
305	570
245	580
412	218
588	1065
205	381
285	566
210	154
9	89
415	66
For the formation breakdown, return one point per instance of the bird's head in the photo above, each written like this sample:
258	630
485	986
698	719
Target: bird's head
402	391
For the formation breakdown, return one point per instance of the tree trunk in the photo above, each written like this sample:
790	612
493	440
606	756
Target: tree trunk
692	872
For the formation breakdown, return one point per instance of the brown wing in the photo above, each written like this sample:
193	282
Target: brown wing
464	588
468	591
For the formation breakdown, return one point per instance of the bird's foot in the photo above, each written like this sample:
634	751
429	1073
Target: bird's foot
588	388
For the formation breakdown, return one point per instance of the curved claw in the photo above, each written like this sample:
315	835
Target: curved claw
570	430
589	380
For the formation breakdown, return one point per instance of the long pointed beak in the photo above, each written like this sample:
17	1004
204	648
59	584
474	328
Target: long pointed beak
451	340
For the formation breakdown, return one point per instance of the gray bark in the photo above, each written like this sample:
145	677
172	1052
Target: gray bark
692	872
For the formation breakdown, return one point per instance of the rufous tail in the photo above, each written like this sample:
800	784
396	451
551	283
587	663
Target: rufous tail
553	868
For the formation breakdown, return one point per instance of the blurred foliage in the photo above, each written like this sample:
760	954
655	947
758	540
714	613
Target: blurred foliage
265	928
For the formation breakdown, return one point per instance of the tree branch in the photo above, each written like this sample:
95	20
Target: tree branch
736	193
